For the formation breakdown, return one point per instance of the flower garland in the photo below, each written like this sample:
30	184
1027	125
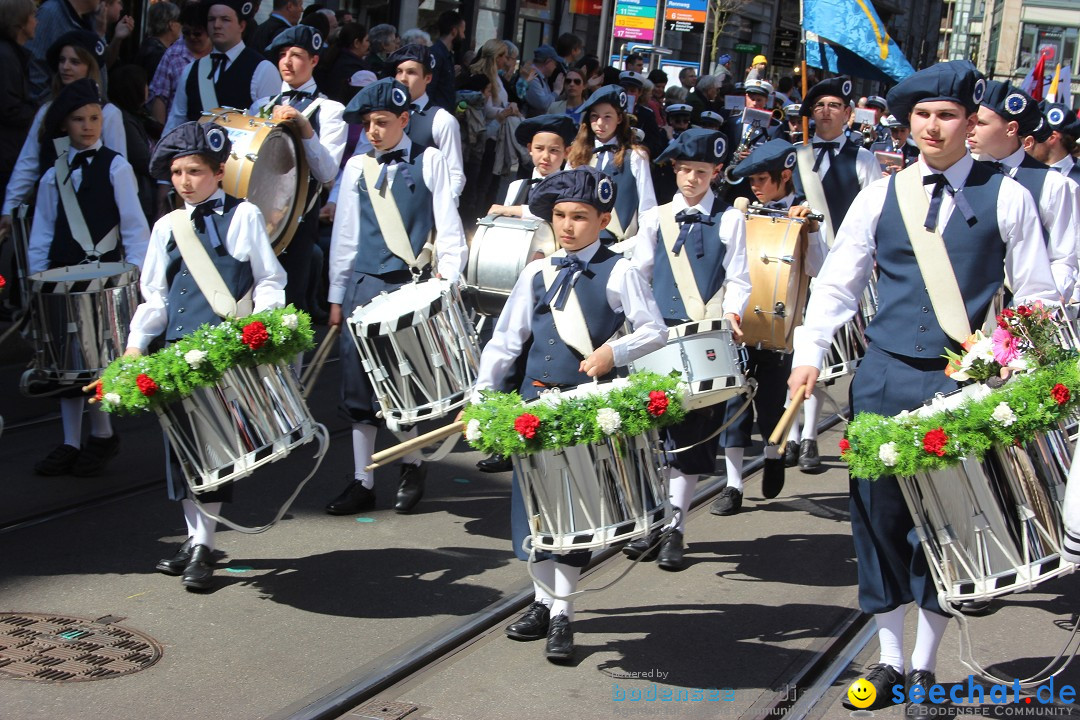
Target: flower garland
137	384
504	424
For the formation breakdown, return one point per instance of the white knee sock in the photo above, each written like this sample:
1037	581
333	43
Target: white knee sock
415	457
363	445
566	579
71	414
733	458
191	515
681	493
811	406
891	637
927	639
205	526
100	423
795	431
544	572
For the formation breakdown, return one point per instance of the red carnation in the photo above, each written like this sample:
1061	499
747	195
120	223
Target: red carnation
1002	323
1008	312
1060	393
527	425
99	394
1023	311
255	335
658	402
146	384
3	282
844	446
934	442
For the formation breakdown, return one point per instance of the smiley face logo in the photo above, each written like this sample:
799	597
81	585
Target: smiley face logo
862	693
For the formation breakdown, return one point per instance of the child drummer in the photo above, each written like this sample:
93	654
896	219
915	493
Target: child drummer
768	168
366	260
233	233
693	249
578	204
548	139
104	224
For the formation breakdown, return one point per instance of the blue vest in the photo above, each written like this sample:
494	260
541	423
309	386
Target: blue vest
708	271
373	257
188	307
1032	175
905	323
841	182
233	88
420	125
626	196
550	359
97	200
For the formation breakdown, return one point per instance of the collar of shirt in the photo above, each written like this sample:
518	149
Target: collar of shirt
219	193
839	140
421	102
72	151
282	18
1013	161
232	53
1065	164
787	201
405	144
613	140
536	174
704	207
309	87
956	173
587	253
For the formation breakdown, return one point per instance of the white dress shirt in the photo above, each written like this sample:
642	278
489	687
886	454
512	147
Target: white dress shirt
450	248
732	234
134	232
1065	165
867	168
447	134
639	168
325	148
246	241
24	176
265	82
847	268
627	292
512	191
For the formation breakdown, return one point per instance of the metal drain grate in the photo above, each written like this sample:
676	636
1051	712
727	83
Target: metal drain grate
382	710
55	648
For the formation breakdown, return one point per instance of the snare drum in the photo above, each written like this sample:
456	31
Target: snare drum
500	250
775	251
268	167
846	352
419	350
79	321
706	355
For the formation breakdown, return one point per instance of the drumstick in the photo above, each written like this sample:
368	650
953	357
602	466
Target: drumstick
390	454
311	372
781	428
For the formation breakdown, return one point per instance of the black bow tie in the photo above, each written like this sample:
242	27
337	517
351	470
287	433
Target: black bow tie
568	267
81	159
414	108
533	181
687	219
823	148
939	182
390	158
603	148
219	61
203	210
299	94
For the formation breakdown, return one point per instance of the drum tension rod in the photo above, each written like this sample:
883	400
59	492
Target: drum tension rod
786	259
779	309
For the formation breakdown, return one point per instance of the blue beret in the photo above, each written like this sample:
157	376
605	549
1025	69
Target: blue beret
73	96
697	145
561	125
190	138
85	39
839	87
1013	104
583	184
613	95
1061	118
772	156
386	94
415	52
955	81
301	36
244	9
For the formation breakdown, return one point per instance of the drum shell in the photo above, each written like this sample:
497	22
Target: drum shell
706	355
776	255
499	252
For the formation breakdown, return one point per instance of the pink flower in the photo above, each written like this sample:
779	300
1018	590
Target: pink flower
1005	350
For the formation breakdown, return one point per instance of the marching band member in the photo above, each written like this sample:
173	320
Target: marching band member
768	170
678	115
605	141
758	97
896	140
710	120
547	138
104	223
1007	115
577	203
693	250
232	236
878	132
989	226
367	257
323	134
1057	150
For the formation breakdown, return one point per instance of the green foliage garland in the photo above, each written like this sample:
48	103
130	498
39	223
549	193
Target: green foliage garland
176	376
567	421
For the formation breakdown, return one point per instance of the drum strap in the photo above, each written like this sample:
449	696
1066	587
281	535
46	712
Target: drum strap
930	253
202	269
207	91
74	214
62	144
388	216
813	189
680	264
570	321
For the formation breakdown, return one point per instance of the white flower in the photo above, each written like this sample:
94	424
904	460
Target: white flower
112	398
290	321
551	397
194	358
472	430
1004	414
609	420
888	455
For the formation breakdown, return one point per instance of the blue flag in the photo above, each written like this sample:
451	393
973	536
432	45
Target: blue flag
858	43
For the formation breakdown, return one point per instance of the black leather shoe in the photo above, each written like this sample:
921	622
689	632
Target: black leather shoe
924	678
199	574
671	552
412	487
808	456
495	464
645	548
95	455
791	454
58	462
883	677
772	478
560	640
355	498
176	564
729	502
533	625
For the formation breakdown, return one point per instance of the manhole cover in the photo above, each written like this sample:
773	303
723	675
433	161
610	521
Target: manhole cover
52	648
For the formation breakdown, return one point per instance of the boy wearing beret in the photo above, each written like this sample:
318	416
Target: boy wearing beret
1057	150
548	139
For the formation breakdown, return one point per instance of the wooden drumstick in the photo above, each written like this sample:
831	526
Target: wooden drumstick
311	372
782	427
390	454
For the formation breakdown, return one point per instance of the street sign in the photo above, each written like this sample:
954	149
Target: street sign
748	48
635	19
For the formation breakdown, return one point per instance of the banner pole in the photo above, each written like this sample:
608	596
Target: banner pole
805	118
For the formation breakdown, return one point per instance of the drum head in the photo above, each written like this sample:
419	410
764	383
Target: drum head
408	300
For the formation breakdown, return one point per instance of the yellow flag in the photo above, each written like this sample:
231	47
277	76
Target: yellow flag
1052	94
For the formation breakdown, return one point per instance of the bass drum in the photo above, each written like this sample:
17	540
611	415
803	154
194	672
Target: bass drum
267	167
775	252
500	250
